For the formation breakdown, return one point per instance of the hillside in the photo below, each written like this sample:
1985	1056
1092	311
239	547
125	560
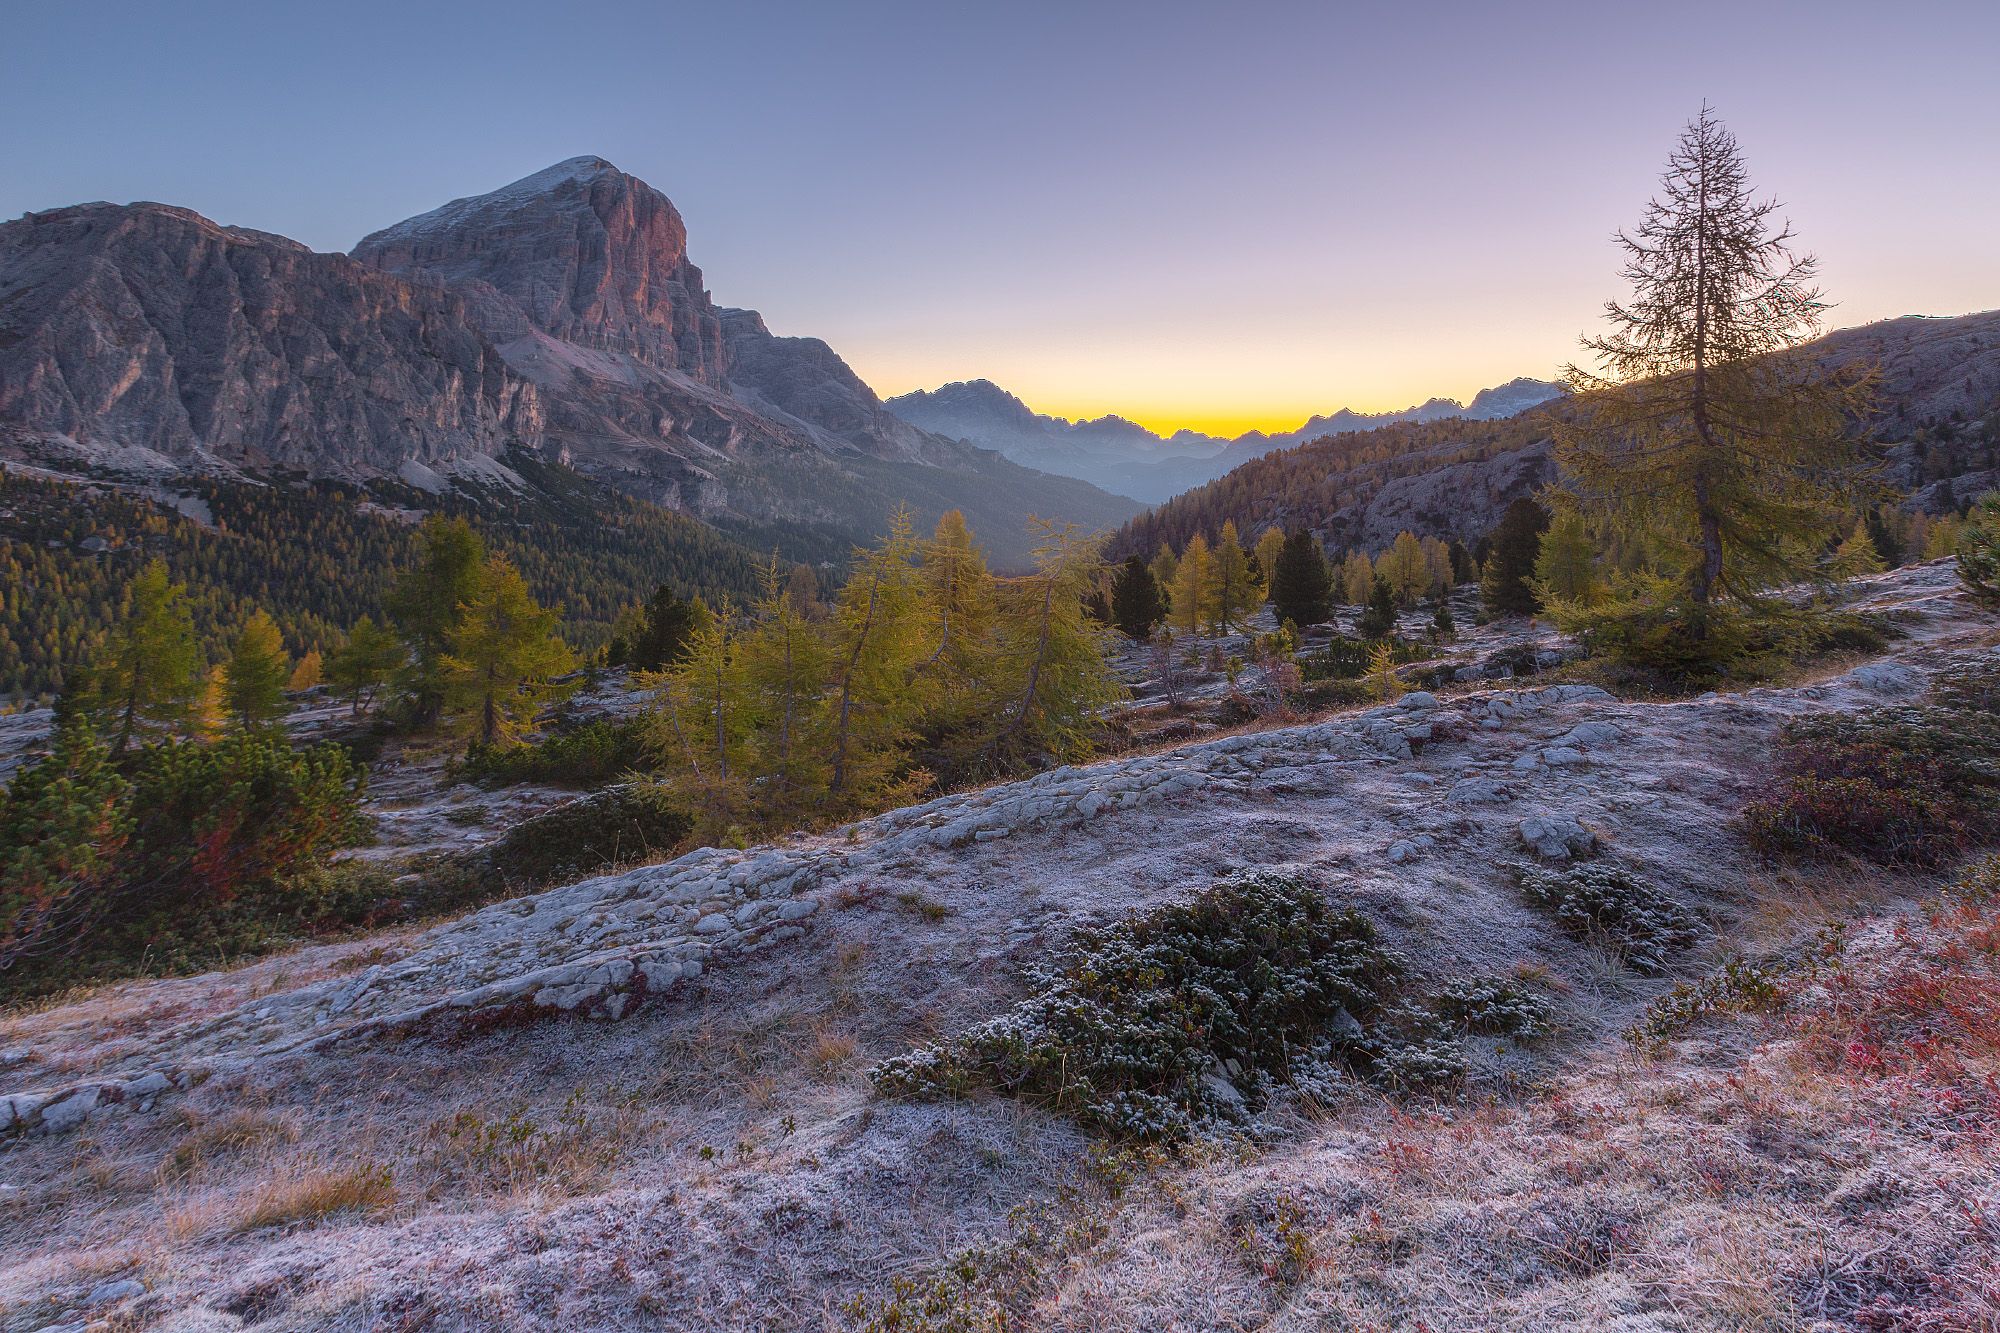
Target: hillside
559	316
638	1101
1938	416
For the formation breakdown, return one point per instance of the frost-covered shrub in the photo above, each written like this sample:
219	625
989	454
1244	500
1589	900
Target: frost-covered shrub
1493	1007
1735	987
1901	786
1182	1017
1612	907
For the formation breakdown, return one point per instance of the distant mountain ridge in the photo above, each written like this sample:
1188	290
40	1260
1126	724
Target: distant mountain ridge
1935	425
558	314
1126	458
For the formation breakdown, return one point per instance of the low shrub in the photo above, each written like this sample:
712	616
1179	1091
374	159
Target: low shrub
589	754
1611	907
1735	987
1132	1029
1915	785
195	853
1493	1007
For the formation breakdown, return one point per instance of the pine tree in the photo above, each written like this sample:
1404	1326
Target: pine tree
63	822
1379	620
428	605
1301	582
1463	569
1188	610
254	675
1703	424
659	636
151	671
1566	566
1232	587
1514	546
367	661
504	657
1136	605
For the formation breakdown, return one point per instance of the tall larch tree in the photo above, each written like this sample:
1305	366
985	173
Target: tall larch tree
428	605
1052	677
1702	421
1188	593
878	640
784	662
1270	542
1232	583
503	657
151	670
1357	578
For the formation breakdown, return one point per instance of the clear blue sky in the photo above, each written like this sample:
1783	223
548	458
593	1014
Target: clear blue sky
1213	214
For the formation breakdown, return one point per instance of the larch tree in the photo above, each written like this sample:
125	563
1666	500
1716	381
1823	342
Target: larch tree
1232	583
428	605
1188	611
1566	566
1357	578
1270	543
150	671
877	642
310	671
368	660
784	664
1404	566
503	658
1703	422
959	595
1052	676
706	708
255	673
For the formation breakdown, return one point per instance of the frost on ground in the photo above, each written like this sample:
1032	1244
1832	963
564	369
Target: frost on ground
640	1100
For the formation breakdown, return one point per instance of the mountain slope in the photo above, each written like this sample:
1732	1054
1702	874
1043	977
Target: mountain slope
1937	416
560	313
1126	458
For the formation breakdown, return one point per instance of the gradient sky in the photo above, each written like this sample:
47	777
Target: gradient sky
1219	216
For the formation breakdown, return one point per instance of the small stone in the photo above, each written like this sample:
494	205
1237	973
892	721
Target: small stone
1557	837
712	924
1477	791
68	1112
120	1290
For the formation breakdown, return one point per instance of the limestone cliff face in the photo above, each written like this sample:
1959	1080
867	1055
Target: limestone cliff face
580	274
579	251
145	327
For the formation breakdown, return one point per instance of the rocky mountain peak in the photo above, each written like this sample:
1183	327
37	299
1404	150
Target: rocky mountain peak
579	251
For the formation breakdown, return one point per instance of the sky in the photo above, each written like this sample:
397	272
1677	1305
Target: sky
1218	216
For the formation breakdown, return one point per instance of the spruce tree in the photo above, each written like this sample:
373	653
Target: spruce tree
1513	548
1978	548
255	673
1301	582
1704	424
1136	606
63	822
1378	621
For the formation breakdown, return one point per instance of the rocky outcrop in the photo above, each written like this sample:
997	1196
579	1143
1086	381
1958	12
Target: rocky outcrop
151	330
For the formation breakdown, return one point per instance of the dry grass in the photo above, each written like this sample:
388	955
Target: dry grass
317	1193
830	1053
226	1135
